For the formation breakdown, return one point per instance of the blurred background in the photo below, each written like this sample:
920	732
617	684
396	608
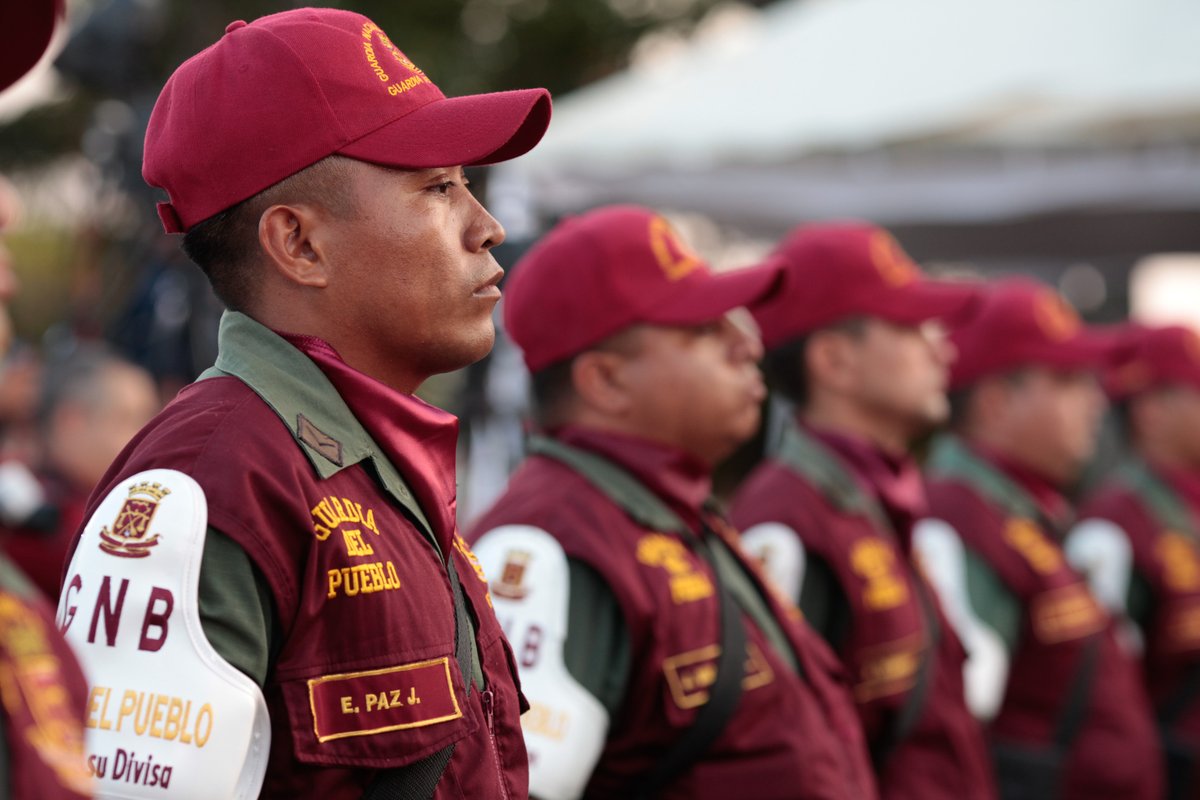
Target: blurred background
1057	138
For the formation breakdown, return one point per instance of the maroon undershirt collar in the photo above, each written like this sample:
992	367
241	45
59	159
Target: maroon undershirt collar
680	480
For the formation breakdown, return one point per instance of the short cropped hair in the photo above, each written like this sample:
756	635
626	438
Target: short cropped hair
225	246
961	399
785	366
553	389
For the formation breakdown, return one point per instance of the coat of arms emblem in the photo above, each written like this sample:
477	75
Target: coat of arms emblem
129	537
512	576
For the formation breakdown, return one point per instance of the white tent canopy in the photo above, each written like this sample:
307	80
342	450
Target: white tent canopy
895	109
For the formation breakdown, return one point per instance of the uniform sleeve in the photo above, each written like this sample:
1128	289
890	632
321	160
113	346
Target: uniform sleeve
984	614
1101	551
236	610
572	648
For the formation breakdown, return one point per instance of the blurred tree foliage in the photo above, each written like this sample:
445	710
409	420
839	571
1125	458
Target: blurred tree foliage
109	270
124	50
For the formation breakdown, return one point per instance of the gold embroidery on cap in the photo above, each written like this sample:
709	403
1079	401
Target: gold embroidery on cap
1056	319
891	262
371	35
673	256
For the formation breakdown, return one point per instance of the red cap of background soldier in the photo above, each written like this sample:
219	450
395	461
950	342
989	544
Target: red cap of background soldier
1153	357
833	271
278	94
598	273
1020	322
26	28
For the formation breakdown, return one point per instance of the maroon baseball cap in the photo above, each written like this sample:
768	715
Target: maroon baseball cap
26	28
845	269
276	95
1153	357
598	273
1020	322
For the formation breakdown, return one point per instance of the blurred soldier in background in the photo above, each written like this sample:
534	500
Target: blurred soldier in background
656	659
1068	715
91	404
1138	539
43	694
10	213
854	342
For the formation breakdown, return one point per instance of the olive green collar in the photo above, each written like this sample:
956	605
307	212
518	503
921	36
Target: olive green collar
820	466
1164	503
308	403
949	457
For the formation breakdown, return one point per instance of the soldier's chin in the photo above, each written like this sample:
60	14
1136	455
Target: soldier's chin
928	419
1083	457
743	429
937	413
467	350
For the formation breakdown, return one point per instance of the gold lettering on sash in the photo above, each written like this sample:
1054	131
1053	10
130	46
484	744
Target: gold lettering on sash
156	716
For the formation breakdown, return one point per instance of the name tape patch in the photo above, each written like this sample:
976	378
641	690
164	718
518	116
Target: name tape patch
381	700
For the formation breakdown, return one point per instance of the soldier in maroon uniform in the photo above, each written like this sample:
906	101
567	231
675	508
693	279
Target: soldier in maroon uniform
43	694
1067	714
855	343
90	405
1138	538
270	590
656	660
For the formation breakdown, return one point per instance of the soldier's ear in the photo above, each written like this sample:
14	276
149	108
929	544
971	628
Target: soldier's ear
1148	411
830	360
599	382
292	238
988	402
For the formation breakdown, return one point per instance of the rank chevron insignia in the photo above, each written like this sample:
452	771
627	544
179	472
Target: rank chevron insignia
128	537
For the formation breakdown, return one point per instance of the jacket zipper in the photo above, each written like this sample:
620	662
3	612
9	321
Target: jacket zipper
488	700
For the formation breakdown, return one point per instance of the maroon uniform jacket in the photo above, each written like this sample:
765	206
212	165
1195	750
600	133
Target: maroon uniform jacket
897	646
44	696
1159	515
792	736
40	547
341	491
1114	753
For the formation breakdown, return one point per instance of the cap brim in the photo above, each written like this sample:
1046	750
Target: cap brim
1089	349
717	294
26	28
949	301
470	130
